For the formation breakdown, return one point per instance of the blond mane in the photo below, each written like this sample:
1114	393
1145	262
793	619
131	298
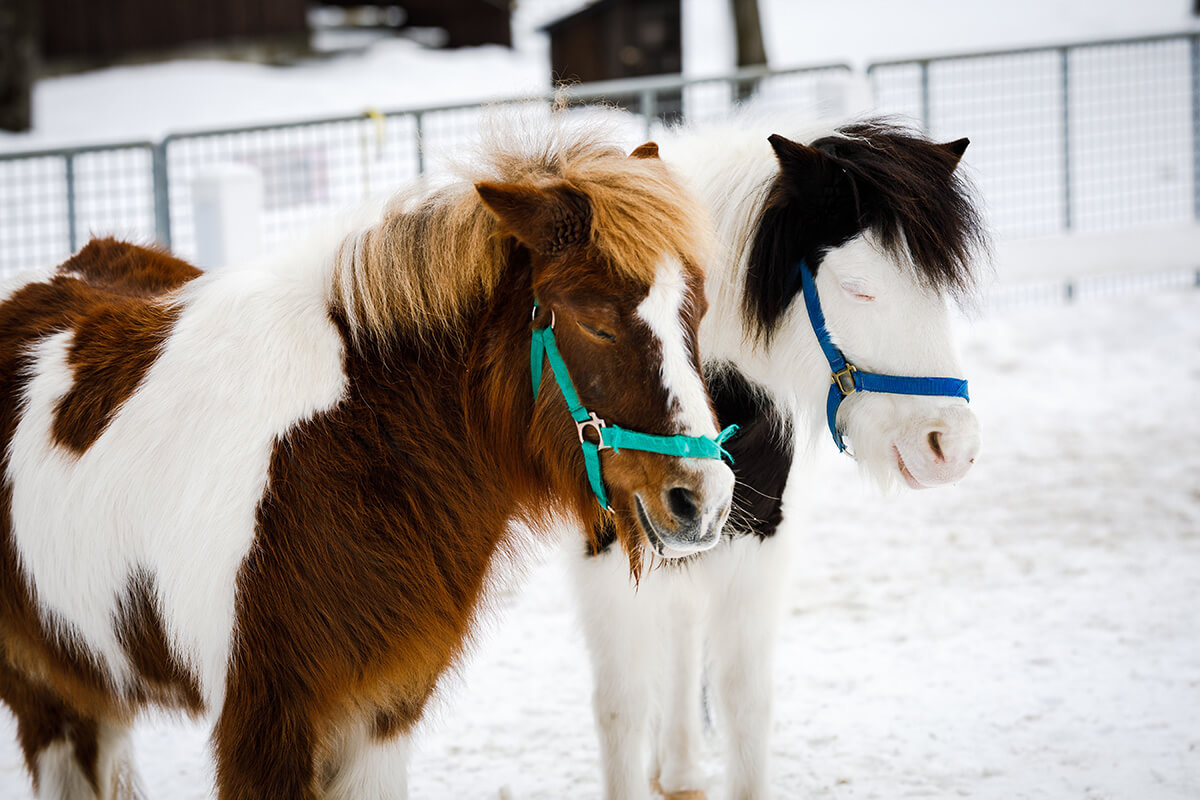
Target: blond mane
437	251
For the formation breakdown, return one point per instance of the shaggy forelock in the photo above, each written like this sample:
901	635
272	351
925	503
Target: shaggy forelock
437	250
924	209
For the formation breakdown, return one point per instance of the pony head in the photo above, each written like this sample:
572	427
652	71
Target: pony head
615	250
884	221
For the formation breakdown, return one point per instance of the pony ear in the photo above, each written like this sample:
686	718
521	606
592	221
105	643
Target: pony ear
547	220
806	168
647	150
956	148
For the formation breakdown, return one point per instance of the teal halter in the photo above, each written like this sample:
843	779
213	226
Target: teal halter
544	347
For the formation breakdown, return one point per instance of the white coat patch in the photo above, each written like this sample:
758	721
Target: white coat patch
661	310
172	485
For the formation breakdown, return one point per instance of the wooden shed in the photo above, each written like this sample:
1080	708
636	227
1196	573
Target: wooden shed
613	39
88	30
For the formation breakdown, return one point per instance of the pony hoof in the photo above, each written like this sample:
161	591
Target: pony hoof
682	794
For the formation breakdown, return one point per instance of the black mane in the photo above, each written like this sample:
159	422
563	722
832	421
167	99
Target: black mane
870	175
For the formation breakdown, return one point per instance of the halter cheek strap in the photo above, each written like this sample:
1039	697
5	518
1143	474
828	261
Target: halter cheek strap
848	379
545	348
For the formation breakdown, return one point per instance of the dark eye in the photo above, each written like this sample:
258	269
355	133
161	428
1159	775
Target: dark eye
599	334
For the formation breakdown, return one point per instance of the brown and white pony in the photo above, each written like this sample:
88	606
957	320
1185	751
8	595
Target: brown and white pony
274	493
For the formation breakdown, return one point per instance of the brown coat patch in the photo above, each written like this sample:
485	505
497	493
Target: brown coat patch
141	632
115	344
125	268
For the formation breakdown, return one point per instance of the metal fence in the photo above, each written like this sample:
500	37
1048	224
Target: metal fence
1088	137
54	200
1092	136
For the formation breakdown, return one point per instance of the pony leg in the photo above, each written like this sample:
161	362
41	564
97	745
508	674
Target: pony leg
264	743
621	626
371	765
69	756
681	735
744	629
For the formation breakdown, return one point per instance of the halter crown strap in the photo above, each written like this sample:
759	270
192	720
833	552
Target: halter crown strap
544	347
846	379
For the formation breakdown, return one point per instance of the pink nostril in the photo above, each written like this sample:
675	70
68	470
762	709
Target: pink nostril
935	444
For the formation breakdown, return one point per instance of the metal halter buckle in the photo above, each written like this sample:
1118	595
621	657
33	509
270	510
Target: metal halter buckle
844	379
595	423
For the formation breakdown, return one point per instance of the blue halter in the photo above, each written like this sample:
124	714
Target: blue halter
544	347
848	379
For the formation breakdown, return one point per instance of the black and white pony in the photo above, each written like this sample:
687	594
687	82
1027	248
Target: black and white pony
888	232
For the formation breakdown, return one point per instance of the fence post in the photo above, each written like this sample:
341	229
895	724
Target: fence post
1195	53
162	198
649	104
1064	57
925	97
418	120
72	220
227	212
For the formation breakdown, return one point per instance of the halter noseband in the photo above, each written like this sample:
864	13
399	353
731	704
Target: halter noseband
544	347
848	379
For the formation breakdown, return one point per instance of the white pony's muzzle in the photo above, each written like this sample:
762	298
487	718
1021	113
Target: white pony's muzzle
937	450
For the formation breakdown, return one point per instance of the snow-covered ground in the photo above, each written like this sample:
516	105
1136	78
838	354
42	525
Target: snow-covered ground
1031	633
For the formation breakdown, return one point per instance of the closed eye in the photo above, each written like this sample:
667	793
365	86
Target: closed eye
599	334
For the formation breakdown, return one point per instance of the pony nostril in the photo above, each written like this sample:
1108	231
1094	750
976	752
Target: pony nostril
682	504
935	444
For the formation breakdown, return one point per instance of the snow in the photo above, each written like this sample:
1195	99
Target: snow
1029	633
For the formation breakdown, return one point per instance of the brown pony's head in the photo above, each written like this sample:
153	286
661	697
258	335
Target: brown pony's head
615	250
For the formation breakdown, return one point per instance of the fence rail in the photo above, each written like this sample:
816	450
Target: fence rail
1081	137
1070	290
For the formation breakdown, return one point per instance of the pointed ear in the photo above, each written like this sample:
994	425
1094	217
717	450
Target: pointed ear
647	150
956	148
806	168
547	219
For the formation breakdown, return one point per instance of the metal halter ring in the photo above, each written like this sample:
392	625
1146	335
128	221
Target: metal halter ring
595	423
534	314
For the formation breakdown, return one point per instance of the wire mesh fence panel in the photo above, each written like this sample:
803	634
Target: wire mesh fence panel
1088	137
309	171
1011	108
52	203
33	213
450	135
800	95
898	90
1131	135
114	195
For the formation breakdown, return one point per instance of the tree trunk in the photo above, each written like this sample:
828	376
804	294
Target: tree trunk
750	49
18	59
